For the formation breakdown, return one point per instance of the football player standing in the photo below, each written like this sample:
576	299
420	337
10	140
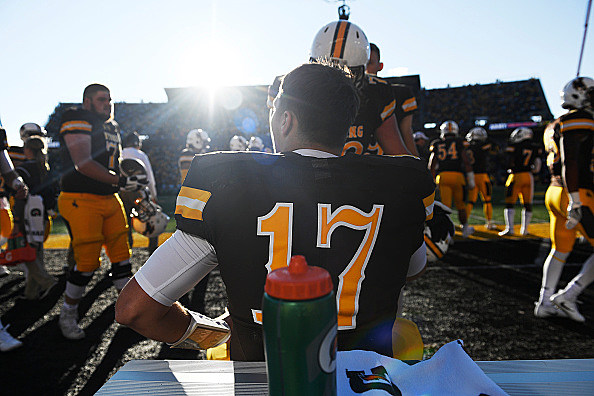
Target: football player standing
452	171
89	203
249	212
569	143
405	104
479	150
523	159
344	43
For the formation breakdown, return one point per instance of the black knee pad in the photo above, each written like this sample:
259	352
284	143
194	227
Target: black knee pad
78	278
121	269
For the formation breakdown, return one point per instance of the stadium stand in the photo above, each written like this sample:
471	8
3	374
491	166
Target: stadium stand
499	108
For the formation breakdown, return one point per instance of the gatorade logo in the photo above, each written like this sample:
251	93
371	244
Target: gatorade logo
327	352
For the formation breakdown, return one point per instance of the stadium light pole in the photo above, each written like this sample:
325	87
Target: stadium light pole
584	39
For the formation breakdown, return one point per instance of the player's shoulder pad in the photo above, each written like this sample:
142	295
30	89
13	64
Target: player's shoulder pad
376	80
405	96
576	120
76	120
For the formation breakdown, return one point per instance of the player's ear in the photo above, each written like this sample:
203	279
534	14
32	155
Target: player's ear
288	122
381	67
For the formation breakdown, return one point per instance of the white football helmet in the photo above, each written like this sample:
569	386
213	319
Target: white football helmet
341	41
477	134
32	129
198	140
439	232
449	127
578	94
238	143
148	218
520	134
255	144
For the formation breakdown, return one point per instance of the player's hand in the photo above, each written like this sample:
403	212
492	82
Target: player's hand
20	188
133	183
574	214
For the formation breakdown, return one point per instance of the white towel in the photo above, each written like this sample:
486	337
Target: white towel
34	219
449	372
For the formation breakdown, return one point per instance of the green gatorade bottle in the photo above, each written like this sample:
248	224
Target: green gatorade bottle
299	319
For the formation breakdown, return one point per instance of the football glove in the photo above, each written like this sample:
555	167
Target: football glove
574	214
133	183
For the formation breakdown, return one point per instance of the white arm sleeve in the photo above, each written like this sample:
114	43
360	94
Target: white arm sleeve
175	267
5	163
418	260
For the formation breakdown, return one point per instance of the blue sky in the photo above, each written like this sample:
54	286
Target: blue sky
49	51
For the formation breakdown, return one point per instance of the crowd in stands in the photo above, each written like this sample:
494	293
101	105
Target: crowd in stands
496	103
165	125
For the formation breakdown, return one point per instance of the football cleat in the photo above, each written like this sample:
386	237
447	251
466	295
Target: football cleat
507	232
544	309
578	94
448	128
68	323
467	230
342	42
520	134
477	134
568	306
490	225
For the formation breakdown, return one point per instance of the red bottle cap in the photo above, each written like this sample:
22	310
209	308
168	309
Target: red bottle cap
298	281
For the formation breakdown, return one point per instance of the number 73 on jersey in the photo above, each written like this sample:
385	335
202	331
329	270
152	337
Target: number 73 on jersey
278	226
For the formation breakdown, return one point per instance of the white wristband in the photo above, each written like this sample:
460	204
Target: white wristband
469	176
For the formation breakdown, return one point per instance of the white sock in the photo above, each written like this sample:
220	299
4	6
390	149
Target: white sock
509	214
526	218
581	280
551	272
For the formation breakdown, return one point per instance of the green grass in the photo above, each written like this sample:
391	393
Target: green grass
539	211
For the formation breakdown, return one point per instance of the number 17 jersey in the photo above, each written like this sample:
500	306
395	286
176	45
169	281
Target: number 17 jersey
359	217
